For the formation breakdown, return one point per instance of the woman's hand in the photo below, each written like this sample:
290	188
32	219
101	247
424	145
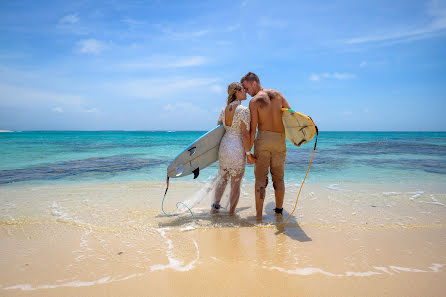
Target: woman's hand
251	159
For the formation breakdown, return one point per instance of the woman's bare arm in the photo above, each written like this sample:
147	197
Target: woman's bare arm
246	137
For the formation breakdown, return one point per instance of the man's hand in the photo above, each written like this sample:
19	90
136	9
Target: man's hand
251	159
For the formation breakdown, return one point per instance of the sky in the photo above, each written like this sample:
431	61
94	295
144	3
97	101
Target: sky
165	65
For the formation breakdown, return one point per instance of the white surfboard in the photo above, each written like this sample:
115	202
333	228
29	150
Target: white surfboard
299	128
197	156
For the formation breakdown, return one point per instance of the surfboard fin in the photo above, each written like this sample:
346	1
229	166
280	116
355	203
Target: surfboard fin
196	172
192	150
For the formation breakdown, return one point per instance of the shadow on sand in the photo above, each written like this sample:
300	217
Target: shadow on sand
205	219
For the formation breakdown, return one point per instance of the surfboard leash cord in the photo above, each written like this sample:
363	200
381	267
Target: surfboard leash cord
178	203
300	189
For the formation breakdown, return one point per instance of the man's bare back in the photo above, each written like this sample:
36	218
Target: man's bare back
266	110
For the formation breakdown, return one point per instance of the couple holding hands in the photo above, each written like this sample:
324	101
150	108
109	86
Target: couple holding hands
241	123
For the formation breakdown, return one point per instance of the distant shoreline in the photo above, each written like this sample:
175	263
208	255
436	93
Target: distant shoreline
5	131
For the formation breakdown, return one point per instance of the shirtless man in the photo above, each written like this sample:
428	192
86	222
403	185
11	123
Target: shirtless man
269	146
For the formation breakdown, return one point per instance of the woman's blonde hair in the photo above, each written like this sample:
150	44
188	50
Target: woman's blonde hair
232	89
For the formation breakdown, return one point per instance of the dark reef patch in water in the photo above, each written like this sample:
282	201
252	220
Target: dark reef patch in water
392	147
427	165
112	164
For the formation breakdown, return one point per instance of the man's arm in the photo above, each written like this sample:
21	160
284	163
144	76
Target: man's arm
254	121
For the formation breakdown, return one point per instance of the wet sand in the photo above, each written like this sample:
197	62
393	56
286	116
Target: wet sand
113	240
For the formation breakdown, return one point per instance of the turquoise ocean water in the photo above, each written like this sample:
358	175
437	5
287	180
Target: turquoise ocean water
113	156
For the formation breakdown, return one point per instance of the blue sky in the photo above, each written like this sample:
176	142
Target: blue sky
165	65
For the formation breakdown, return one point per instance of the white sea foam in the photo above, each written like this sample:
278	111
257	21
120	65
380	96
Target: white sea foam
333	187
391	193
192	226
405	269
415	195
61	214
361	274
383	269
434	201
58	212
434	268
303	271
83	245
104	280
174	263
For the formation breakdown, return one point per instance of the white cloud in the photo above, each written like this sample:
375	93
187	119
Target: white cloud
436	11
347	113
69	19
159	61
191	114
223	42
57	109
272	23
314	77
232	27
363	64
21	96
184	35
244	3
216	89
160	88
341	76
91	46
334	75
183	107
71	24
133	22
187	62
91	110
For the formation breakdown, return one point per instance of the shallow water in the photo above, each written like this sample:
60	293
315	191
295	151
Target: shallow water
72	157
85	208
89	235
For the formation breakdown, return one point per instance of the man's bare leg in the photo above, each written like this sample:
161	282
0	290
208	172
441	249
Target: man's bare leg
260	198
279	194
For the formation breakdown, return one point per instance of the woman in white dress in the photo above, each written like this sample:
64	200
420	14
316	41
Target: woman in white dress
234	147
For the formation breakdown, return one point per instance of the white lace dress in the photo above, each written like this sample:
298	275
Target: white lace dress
231	155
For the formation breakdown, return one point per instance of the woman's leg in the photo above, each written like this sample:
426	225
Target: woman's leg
235	192
222	181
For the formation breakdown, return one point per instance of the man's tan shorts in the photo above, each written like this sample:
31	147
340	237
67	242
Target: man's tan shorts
270	152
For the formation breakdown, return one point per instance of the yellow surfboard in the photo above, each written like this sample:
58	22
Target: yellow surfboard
299	128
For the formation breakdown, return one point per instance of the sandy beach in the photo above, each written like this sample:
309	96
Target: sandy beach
112	239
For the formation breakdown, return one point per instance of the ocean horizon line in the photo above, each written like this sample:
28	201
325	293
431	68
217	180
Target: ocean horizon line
179	130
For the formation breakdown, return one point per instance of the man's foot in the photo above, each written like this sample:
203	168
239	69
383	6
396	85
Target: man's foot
278	211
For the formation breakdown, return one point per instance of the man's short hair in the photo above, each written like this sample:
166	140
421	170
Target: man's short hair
250	77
